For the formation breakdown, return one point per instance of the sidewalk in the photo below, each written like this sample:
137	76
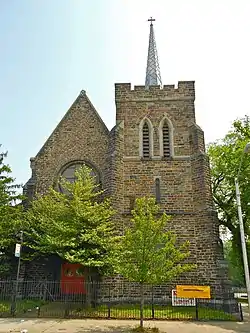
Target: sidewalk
117	326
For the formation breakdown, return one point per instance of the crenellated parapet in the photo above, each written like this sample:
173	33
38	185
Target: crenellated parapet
185	90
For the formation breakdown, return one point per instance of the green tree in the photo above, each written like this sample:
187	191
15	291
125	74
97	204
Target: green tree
148	253
10	215
75	225
225	156
236	272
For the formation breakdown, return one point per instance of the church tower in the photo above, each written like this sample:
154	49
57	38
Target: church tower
160	151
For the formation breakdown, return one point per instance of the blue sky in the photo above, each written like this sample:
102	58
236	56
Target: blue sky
52	49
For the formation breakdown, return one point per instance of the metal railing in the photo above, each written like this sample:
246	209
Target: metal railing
117	300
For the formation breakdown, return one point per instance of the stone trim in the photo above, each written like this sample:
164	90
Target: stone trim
158	158
163	99
66	165
157	177
181	157
131	158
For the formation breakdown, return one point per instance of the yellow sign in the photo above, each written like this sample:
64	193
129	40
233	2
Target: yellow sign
193	291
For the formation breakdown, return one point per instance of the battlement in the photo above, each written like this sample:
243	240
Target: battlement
185	90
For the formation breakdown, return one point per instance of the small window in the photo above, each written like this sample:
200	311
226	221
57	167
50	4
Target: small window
131	202
166	140
145	141
157	190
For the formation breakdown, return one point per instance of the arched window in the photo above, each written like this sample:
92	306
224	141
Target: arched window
146	132
166	137
166	140
145	141
157	190
68	173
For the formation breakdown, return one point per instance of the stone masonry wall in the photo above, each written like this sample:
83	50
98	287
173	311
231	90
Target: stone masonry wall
80	136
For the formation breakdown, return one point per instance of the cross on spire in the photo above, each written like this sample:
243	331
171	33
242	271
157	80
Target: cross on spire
151	20
153	75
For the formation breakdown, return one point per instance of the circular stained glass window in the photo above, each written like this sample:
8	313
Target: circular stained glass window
69	174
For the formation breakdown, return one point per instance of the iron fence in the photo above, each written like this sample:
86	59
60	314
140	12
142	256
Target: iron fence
117	300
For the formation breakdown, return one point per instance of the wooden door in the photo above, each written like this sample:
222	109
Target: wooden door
72	279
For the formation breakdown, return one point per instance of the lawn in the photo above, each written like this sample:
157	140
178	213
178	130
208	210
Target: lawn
22	307
28	308
160	312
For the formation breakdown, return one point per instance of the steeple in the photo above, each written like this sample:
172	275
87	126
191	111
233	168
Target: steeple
153	75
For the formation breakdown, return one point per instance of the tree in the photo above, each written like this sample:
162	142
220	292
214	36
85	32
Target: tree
148	253
235	269
10	215
75	225
225	156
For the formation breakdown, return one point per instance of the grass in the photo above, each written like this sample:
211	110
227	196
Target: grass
160	312
77	310
22	306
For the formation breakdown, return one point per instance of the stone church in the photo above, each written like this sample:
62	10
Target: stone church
155	148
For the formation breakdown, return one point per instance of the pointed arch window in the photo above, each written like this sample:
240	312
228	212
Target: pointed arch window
145	141
146	131
166	140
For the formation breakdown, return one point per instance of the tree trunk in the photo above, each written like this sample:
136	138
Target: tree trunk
142	304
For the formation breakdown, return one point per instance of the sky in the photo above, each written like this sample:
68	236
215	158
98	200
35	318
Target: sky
52	49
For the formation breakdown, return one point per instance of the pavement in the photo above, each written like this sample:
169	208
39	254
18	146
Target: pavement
119	326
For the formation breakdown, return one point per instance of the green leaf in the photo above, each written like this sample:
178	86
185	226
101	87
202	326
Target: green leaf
77	226
148	253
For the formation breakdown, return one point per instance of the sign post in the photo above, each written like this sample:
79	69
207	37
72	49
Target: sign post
18	250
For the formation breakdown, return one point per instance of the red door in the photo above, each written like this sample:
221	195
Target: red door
72	279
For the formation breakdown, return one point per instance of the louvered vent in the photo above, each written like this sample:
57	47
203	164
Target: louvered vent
166	141
145	141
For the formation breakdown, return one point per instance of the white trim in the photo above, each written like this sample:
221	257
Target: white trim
182	157
131	158
171	135
151	133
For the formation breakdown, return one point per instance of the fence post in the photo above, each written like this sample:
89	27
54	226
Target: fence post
240	312
196	309
13	299
38	311
109	303
152	303
66	312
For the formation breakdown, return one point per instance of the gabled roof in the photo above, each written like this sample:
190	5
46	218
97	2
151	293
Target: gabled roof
83	96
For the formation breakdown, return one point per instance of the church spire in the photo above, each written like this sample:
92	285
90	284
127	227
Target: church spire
153	75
